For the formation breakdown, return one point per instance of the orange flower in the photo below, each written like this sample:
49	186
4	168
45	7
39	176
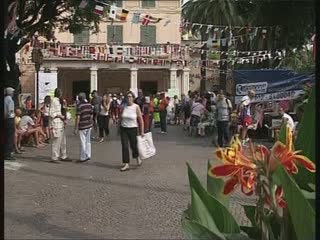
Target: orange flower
278	198
239	167
289	158
240	174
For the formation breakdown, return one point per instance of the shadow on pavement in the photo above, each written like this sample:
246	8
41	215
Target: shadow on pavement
103	181
40	222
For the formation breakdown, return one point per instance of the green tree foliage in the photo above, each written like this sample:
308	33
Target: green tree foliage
42	17
291	22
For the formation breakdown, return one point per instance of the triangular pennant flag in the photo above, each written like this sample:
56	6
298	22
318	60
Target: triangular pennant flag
135	18
209	29
167	22
99	9
154	19
112	13
83	4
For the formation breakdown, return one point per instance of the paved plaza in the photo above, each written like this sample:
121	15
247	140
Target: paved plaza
95	200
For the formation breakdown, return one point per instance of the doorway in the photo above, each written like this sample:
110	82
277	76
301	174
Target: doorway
149	87
81	86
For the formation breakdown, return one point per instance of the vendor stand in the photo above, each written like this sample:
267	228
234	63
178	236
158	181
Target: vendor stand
274	89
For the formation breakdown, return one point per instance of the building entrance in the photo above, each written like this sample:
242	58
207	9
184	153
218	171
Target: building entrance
149	87
81	86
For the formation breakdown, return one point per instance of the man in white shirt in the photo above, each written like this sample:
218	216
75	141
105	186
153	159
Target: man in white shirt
286	119
9	127
59	143
245	114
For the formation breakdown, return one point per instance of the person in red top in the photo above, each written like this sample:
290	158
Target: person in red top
163	112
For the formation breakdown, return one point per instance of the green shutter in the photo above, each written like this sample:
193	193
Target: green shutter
81	38
115	34
148	35
148	3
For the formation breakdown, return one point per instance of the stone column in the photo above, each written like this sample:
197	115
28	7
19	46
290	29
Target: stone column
134	80
185	80
93	78
173	78
54	81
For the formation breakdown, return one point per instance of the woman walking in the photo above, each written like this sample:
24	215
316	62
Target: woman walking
104	116
129	118
45	116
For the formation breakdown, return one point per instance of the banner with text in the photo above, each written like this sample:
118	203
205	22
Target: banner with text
270	85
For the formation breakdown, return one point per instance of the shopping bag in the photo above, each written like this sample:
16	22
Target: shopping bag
145	146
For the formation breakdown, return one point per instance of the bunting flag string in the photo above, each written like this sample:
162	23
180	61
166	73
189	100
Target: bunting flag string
161	51
184	24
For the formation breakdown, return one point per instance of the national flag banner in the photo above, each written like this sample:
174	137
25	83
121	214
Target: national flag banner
83	4
146	20
99	8
123	15
135	18
112	14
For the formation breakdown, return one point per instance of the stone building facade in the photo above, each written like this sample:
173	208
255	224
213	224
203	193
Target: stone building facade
157	63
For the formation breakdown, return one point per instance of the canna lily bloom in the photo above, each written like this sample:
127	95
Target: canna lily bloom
278	198
239	167
289	158
239	175
234	154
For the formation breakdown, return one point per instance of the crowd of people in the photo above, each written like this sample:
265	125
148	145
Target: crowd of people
200	114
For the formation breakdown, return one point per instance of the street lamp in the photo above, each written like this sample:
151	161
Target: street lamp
37	59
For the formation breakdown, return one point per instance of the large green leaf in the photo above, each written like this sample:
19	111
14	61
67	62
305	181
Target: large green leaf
252	232
283	134
306	142
215	188
202	215
223	219
194	230
301	212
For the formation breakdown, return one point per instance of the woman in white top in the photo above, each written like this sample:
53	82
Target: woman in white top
103	117
197	109
130	121
45	116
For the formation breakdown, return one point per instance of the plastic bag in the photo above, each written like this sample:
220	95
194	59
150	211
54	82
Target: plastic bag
145	146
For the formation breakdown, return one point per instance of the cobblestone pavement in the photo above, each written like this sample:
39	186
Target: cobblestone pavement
95	200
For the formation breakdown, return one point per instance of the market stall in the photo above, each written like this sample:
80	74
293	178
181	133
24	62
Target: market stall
274	89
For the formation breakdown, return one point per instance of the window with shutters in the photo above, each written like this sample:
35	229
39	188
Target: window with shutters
148	35
148	3
115	34
82	37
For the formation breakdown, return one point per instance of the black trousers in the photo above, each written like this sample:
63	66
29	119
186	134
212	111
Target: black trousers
129	136
103	122
9	131
223	132
163	121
